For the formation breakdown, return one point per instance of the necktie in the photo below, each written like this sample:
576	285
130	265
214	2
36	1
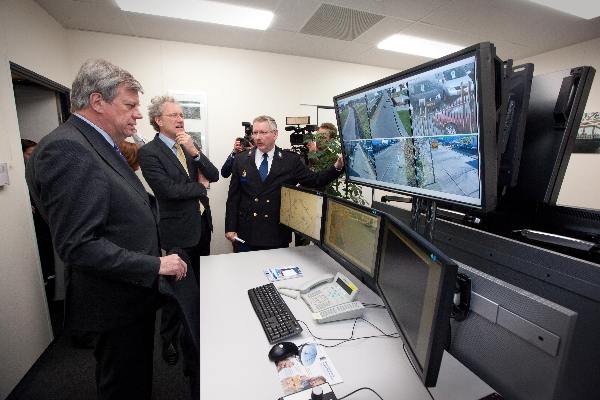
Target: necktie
181	158
263	170
119	151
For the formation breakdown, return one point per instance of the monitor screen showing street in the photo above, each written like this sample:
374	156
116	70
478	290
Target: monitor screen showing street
417	134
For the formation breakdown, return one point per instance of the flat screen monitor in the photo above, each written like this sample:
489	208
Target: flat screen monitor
352	232
429	131
416	282
301	210
512	126
556	106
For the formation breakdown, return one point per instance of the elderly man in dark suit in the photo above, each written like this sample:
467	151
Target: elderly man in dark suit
252	210
178	174
104	227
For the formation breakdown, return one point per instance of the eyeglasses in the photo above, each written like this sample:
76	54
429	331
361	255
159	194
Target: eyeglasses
174	115
261	133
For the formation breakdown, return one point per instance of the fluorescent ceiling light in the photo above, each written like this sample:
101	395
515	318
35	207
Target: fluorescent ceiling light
201	10
581	8
417	46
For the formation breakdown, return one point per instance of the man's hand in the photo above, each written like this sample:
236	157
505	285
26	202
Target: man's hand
187	142
339	164
173	265
202	180
231	236
237	146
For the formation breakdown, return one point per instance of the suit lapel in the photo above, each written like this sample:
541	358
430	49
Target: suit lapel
276	165
109	155
250	167
172	157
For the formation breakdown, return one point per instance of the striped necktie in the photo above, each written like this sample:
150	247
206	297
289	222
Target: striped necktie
181	158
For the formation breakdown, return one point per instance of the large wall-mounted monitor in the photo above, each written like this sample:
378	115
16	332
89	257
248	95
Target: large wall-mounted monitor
429	131
351	236
301	209
416	282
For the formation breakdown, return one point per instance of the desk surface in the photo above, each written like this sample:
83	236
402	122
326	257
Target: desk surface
233	346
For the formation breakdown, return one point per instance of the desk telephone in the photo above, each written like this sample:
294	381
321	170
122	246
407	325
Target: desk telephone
331	298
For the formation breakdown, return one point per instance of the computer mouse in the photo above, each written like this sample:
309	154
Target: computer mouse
282	351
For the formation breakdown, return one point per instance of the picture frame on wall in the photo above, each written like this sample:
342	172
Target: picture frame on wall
588	135
194	107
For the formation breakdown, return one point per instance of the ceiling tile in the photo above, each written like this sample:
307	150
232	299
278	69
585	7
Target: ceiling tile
518	28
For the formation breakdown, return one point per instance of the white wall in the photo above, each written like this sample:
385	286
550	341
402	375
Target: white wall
580	187
239	84
31	38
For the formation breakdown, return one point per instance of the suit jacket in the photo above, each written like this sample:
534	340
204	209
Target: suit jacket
253	206
176	192
103	224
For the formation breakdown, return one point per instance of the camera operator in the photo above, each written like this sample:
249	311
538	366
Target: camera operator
240	144
327	132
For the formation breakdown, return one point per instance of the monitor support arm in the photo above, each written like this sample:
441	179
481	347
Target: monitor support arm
429	208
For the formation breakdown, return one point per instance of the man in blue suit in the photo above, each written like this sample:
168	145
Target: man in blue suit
104	227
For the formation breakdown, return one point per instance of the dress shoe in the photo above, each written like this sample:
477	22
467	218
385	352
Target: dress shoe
170	353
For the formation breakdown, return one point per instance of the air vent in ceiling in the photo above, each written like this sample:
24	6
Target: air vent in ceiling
339	22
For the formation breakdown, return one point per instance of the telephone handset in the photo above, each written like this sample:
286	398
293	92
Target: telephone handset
328	291
315	282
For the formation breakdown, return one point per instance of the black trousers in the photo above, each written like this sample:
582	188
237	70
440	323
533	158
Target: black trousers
170	321
124	358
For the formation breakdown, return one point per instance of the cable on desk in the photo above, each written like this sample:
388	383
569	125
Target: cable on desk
372	305
358	390
351	338
413	366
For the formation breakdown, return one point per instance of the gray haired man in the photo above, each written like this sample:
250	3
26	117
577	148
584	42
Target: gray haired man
104	227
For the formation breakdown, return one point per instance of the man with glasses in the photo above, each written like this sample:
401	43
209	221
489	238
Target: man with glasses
178	174
252	212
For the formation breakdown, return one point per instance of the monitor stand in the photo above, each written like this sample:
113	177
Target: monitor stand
429	208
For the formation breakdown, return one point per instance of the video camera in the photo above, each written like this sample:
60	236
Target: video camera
298	135
246	141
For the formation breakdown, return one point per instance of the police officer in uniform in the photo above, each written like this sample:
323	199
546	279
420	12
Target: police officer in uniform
252	212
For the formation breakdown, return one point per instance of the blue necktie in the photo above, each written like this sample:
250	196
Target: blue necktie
119	151
263	170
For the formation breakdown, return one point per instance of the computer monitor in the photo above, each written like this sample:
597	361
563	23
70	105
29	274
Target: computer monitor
429	131
512	125
301	209
556	106
351	237
416	282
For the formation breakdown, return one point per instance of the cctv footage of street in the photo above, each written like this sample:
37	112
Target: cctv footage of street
419	134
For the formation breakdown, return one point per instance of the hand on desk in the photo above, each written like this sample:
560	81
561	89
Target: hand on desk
173	265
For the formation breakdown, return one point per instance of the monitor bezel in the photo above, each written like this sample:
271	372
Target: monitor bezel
311	191
363	276
440	328
486	70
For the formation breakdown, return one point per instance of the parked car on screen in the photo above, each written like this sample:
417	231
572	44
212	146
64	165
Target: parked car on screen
426	93
451	124
457	78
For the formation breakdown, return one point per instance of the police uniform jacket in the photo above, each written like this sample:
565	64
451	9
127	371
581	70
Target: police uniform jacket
253	206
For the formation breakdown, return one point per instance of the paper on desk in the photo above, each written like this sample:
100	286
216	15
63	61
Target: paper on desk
315	369
280	273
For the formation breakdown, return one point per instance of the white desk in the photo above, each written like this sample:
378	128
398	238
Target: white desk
233	346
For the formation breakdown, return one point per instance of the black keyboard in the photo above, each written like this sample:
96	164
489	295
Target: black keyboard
274	315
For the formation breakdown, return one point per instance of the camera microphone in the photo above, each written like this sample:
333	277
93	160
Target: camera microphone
290	128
